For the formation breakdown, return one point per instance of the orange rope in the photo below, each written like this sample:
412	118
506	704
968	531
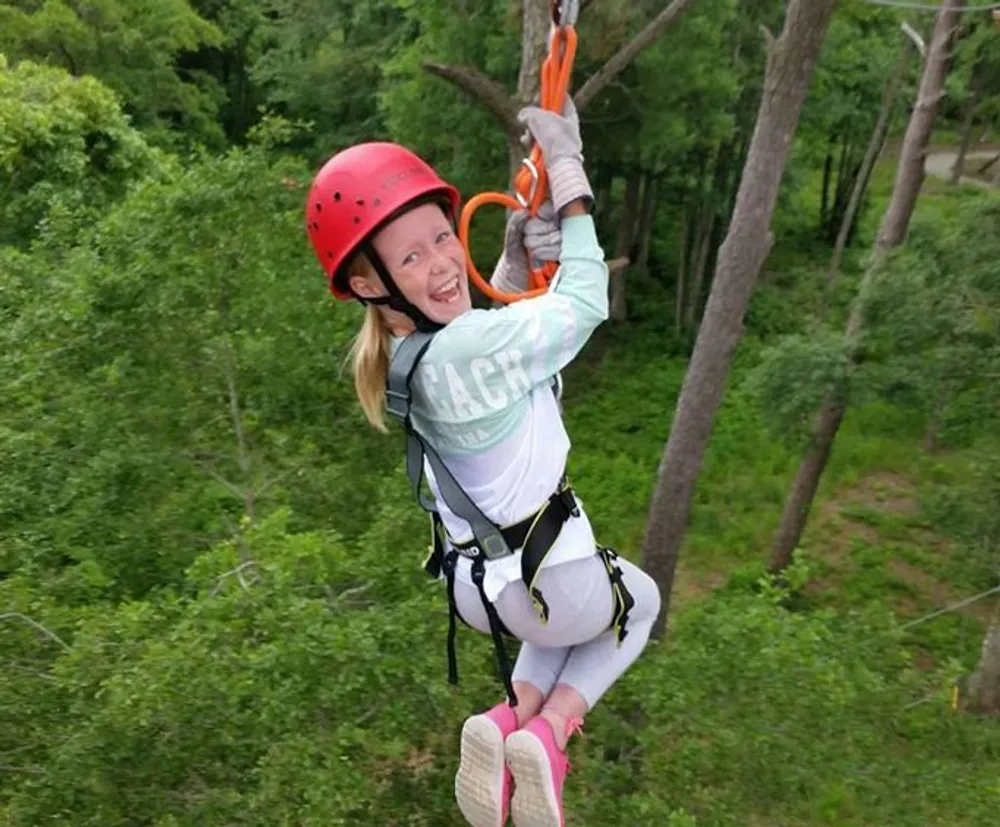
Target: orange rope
555	77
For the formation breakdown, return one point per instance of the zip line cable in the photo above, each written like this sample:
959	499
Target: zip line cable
902	4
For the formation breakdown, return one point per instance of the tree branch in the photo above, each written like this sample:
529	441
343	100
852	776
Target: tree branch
237	492
35	624
483	90
624	56
28	770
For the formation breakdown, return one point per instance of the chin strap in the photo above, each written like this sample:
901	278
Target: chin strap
395	300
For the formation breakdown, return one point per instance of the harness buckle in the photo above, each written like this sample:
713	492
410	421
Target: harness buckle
568	500
397	404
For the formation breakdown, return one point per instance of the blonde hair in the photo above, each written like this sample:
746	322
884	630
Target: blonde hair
370	354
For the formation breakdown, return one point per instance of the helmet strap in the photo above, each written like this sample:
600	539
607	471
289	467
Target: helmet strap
395	300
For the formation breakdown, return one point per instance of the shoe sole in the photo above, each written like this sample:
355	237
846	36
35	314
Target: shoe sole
534	803
479	780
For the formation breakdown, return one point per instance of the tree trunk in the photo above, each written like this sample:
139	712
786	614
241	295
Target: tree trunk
646	215
968	117
800	499
790	63
699	261
682	257
843	173
824	202
602	181
910	174
623	243
535	22
983	689
895	223
872	153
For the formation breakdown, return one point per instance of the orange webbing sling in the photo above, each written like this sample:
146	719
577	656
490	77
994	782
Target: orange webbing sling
531	182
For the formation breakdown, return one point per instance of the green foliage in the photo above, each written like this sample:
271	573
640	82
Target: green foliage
66	148
934	320
211	604
131	45
187	342
324	64
794	376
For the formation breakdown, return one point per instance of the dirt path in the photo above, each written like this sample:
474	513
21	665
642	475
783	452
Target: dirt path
940	162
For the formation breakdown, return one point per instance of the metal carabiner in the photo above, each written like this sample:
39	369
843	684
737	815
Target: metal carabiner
522	200
565	12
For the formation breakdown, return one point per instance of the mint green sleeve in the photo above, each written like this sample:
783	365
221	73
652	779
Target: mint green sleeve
494	358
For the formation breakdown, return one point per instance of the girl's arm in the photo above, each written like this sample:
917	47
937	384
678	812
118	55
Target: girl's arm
488	360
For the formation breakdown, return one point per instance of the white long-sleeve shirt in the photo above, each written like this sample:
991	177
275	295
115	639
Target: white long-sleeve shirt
482	397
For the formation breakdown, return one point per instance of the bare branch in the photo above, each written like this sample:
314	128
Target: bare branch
234	410
35	624
264	486
235	490
13	664
483	90
238	574
347	594
624	56
27	770
616	265
768	38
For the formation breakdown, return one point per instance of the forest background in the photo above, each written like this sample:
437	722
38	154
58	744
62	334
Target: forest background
212	610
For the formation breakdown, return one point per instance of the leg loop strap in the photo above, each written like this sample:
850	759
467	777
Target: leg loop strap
624	602
497	629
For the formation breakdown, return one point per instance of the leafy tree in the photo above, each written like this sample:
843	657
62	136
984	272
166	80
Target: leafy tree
66	146
892	233
194	355
130	45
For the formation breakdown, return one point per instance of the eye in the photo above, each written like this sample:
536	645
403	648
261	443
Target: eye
409	259
443	236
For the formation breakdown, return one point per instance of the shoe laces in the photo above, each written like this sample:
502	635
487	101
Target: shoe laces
573	726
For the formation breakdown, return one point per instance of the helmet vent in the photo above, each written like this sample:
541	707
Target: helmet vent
357	219
336	196
319	207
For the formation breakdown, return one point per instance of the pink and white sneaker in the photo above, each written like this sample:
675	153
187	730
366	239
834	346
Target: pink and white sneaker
539	768
483	782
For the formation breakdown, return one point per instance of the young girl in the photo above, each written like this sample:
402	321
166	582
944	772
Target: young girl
481	404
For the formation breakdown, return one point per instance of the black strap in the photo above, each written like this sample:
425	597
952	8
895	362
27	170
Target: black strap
624	602
395	298
448	566
496	629
401	369
535	536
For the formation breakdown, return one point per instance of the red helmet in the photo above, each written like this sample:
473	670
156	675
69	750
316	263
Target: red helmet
357	191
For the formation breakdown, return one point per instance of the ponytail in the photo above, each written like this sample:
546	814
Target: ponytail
370	356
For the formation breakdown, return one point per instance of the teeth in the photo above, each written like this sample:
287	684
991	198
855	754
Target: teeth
440	294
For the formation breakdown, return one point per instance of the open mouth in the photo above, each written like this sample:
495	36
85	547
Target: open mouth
448	292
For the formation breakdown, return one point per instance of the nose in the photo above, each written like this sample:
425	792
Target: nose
440	261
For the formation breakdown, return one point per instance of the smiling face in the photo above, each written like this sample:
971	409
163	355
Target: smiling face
426	261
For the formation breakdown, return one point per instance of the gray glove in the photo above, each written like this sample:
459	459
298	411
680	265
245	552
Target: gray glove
558	137
543	238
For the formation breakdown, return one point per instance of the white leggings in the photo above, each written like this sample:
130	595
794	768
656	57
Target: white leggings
575	647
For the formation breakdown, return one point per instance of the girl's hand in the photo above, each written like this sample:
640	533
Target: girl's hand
541	235
558	137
